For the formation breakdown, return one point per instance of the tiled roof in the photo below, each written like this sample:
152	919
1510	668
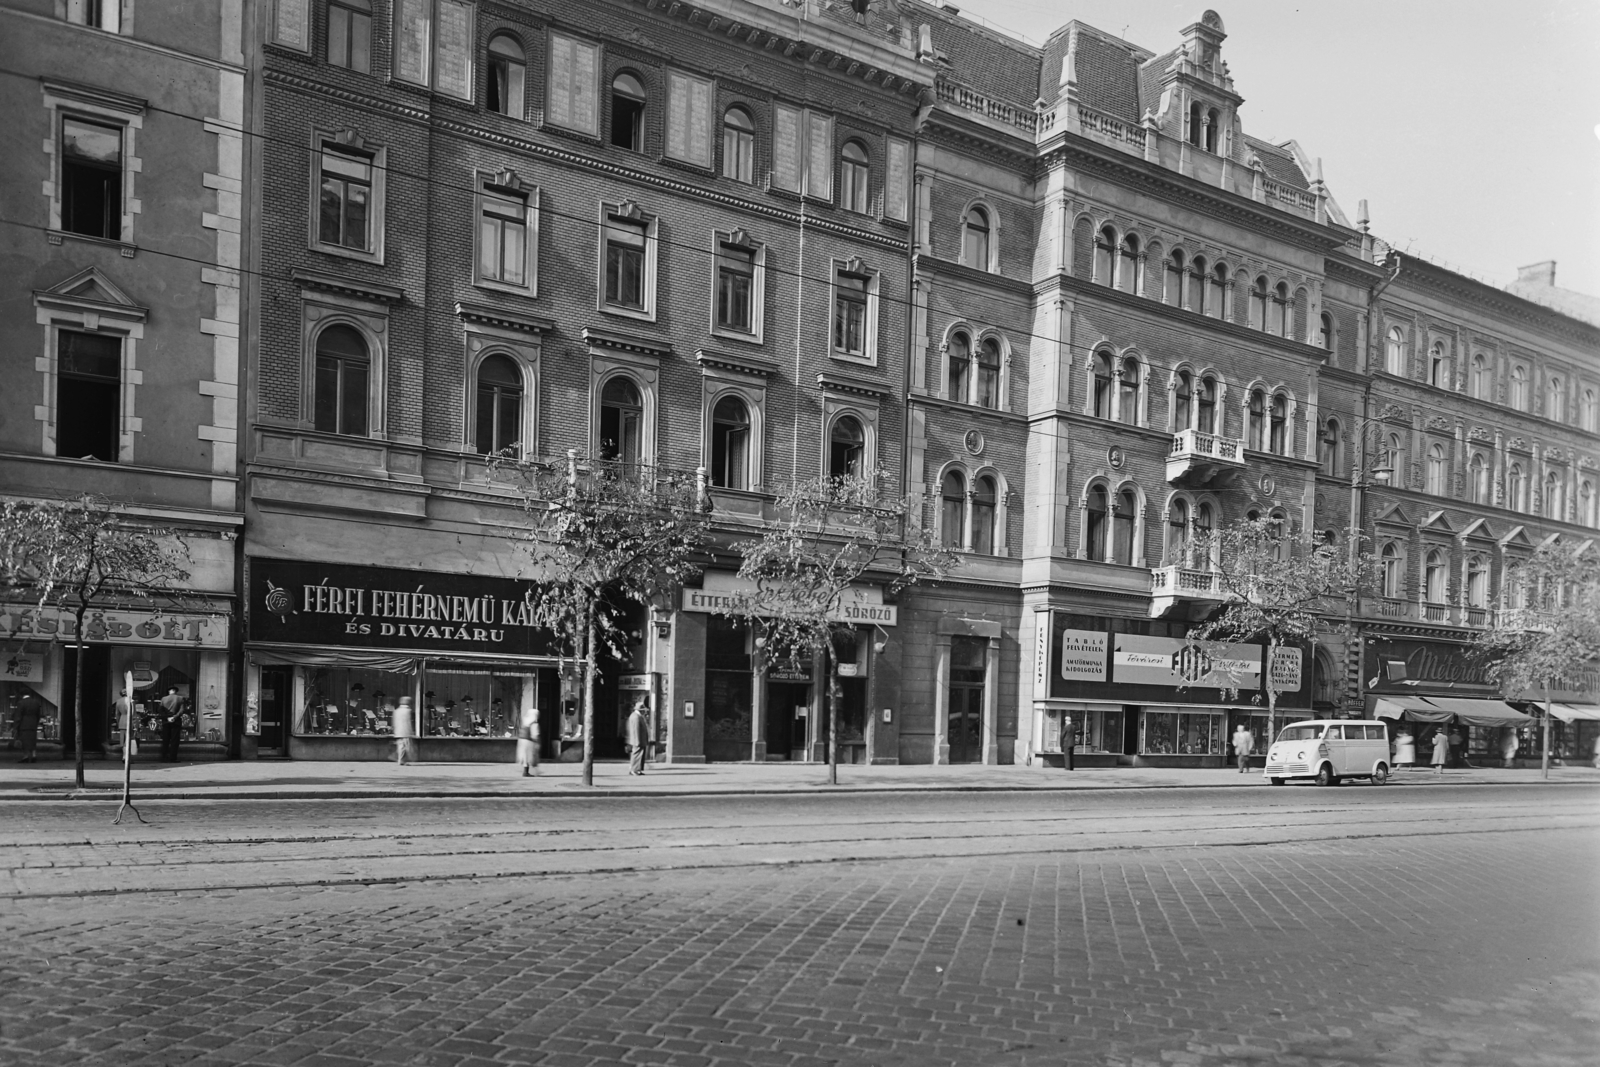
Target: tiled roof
1280	165
1150	80
1003	72
1568	302
1108	77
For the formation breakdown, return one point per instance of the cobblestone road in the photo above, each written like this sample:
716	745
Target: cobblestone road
1359	926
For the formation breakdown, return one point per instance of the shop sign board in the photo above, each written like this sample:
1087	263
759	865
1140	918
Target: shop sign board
389	608
1083	655
1170	661
1286	670
1399	665
853	608
166	629
638	683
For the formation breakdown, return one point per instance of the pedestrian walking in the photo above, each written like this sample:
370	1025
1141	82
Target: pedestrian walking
1244	743
1508	744
1458	748
528	741
405	733
638	737
1441	750
171	724
1405	748
29	711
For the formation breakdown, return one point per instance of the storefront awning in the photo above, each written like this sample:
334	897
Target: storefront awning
1569	712
1442	709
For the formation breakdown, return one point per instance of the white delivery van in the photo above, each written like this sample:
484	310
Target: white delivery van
1329	751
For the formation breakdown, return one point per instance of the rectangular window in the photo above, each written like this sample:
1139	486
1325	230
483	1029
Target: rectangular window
850	314
503	239
290	24
689	102
101	14
350	35
88	396
91	178
341	395
345	211
625	263
736	268
433	44
572	100
802	151
897	180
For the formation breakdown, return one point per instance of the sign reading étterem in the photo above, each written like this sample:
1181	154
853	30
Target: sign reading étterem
389	608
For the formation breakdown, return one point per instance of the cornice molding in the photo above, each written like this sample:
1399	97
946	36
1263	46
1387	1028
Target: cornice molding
957	132
623	342
933	266
1484	298
742	364
507	320
834	382
333	283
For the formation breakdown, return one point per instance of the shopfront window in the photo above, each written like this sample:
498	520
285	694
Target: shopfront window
461	700
1182	733
16	697
351	701
163	678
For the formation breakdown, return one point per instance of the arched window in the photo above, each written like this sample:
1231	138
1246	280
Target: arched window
1394	351
507	73
1216	299
988	382
953	513
1126	517
960	367
738	145
1196	124
1094	525
1477	582
1553	502
1277	535
1587	504
730	444
1197	290
1260	298
1177	547
1433	575
1325	338
1438	366
1130	265
1516	489
1478	479
1206	405
344	369
1256	421
1589	411
349	32
1280	310
1102	385
975	239
499	405
983	515
1203	547
1328	448
1519	387
1105	256
1482	386
1182	401
853	177
846	448
1436	470
1128	391
1390	562
1556	401
1393	456
621	422
1213	129
627	112
1278	439
1176	270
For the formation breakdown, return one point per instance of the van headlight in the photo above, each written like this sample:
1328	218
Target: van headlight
1301	754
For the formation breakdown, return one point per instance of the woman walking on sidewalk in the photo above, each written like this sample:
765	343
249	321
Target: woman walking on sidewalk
528	741
1441	750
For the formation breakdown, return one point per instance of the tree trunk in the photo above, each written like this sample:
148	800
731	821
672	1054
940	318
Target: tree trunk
834	696
588	696
1272	694
77	694
1544	758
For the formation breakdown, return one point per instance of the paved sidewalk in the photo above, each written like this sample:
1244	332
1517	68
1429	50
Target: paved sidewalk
293	780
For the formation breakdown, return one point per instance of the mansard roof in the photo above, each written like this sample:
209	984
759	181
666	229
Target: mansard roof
1279	161
984	61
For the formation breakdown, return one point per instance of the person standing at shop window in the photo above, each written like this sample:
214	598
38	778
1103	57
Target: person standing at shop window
1441	749
638	738
171	724
405	733
528	741
1458	747
30	709
1244	743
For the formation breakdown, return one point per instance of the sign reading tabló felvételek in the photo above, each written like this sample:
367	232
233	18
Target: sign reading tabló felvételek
388	608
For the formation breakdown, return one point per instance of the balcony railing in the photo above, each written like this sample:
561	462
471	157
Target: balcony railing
1436	612
1194	451
1477	616
1185	582
1525	619
1393	608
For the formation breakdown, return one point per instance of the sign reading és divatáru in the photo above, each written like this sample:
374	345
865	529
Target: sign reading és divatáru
389	608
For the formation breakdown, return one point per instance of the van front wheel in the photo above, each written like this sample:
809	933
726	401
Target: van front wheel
1380	774
1325	775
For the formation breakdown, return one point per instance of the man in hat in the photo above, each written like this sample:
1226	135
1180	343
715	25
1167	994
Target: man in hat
638	737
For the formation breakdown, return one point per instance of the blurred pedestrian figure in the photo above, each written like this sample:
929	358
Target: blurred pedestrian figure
1508	745
1441	750
405	733
29	710
528	741
1405	748
1458	747
122	719
638	738
1244	743
171	724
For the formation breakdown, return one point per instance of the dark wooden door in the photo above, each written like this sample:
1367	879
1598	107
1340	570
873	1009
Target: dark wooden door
277	691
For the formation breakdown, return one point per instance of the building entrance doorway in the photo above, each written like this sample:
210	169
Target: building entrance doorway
788	704
968	666
97	698
276	693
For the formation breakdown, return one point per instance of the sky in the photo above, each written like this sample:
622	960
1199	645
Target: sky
1472	129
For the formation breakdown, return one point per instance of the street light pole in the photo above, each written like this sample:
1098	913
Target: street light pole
1358	484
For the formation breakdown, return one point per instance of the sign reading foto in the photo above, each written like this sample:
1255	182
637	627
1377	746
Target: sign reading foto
1173	662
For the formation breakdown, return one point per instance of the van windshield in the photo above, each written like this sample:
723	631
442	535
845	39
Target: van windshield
1300	733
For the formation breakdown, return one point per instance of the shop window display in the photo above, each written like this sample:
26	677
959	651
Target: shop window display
1182	733
465	701
155	672
350	700
11	694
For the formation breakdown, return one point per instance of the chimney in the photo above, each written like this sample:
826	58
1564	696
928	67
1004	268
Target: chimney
1538	274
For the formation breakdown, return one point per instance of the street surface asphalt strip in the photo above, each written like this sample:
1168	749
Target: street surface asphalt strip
1449	925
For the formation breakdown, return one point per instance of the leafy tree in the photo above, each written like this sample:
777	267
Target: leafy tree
79	556
599	535
1276	590
831	533
1526	649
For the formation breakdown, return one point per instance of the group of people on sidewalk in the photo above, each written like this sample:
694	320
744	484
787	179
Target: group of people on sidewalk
1403	751
527	735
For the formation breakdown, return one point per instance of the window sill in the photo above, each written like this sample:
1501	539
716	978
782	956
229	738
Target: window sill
127	248
637	314
743	337
531	292
375	258
850	357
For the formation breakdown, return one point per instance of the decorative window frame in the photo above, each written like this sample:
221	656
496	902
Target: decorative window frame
611	355
488	332
326	302
1402	567
856	265
988	208
425	68
351	141
630	211
64	98
506	179
1402	350
89	302
741	239
721	378
1141	417
954	327
1525	402
866	409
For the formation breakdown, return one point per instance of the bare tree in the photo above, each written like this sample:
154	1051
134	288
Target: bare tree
1557	637
601	535
1276	590
831	535
80	555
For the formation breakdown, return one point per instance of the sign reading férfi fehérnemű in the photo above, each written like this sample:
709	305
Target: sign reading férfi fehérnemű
389	608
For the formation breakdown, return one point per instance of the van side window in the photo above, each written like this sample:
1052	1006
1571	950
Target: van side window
1377	733
1333	734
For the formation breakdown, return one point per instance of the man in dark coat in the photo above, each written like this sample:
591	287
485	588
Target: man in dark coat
638	738
171	724
29	710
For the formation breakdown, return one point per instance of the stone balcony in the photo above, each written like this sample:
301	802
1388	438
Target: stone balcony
1196	458
1183	590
